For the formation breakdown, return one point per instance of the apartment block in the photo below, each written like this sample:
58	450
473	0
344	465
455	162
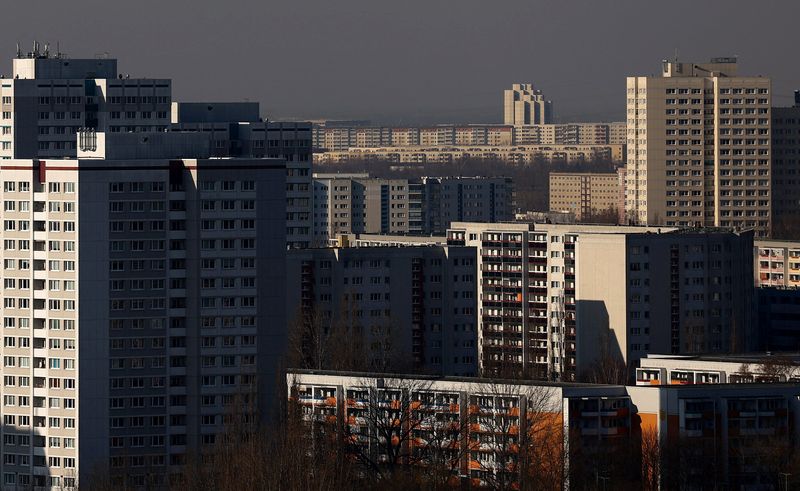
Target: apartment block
49	97
552	297
618	133
785	170
725	369
415	303
466	199
685	436
776	264
520	154
699	147
585	194
437	135
678	292
356	203
236	130
139	305
776	267
404	137
523	104
359	204
342	138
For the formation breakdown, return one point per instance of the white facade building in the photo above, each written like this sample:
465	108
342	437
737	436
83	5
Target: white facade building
139	303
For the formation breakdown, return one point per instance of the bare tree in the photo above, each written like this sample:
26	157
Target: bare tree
777	368
439	442
382	419
651	458
331	340
511	430
609	215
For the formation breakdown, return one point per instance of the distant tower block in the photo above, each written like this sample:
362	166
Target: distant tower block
525	105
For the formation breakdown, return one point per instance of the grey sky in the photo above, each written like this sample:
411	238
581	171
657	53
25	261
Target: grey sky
411	61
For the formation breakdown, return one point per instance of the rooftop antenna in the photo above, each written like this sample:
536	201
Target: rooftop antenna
47	50
19	53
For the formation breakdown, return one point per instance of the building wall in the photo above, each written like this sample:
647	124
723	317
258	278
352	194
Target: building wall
358	204
544	294
717	429
425	295
776	268
41	116
522	104
699	148
526	154
108	239
677	292
730	369
253	139
343	138
785	171
585	194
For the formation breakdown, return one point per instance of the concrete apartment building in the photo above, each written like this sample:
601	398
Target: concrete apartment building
338	138
237	130
699	147
523	105
49	97
359	204
419	300
618	133
681	292
726	369
776	268
552	298
466	199
520	154
718	430
786	170
139	303
587	194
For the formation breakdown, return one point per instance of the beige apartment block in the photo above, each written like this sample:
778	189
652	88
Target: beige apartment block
584	194
523	104
699	147
522	154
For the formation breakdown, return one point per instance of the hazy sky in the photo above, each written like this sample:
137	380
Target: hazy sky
411	61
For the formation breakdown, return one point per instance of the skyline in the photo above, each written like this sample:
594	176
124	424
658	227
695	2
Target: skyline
428	63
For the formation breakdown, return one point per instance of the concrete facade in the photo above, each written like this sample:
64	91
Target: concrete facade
342	138
585	194
236	130
551	295
359	204
678	292
49	98
523	105
420	300
699	147
139	303
521	154
786	170
716	429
